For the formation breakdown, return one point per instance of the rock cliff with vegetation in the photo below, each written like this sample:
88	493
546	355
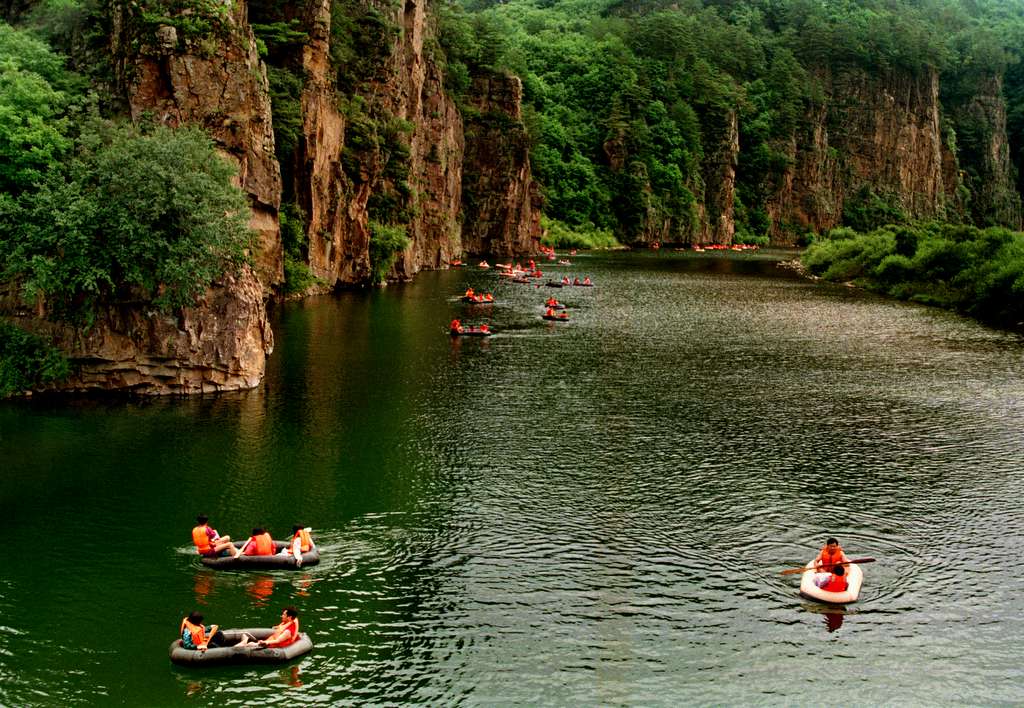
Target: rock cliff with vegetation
171	165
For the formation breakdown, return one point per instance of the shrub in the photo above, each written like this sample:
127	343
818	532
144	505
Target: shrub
141	216
27	361
561	235
385	244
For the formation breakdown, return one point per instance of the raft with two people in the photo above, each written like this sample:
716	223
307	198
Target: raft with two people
551	314
199	645
831	577
457	329
475	298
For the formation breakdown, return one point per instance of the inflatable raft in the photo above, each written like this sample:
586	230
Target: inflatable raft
554	284
241	655
854	579
560	317
263	562
470	332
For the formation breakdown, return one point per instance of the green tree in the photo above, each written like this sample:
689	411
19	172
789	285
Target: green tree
152	216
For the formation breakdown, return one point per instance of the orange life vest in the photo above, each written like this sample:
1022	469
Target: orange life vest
828	558
293	625
197	631
836	583
264	545
306	542
201	540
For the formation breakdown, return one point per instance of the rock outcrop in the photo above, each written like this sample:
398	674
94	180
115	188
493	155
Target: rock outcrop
221	344
880	132
502	204
217	82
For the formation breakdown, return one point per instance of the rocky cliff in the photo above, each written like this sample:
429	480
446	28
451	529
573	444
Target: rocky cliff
175	75
221	344
880	132
502	203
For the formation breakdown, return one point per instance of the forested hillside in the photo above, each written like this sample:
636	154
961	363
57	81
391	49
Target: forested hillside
631	107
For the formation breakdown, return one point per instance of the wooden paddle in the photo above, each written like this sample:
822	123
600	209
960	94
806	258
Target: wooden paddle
793	571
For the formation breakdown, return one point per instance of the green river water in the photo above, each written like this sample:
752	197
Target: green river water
583	513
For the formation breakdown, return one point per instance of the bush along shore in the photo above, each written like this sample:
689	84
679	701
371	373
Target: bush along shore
978	272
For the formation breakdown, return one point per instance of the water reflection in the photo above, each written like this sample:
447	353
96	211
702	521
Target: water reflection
260	588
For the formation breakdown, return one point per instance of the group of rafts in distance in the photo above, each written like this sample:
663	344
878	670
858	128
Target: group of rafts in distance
199	644
553	309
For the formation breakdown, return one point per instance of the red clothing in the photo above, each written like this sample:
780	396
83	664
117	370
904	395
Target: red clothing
836	583
262	545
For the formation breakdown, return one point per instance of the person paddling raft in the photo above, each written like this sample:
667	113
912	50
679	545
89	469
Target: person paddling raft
830	554
208	542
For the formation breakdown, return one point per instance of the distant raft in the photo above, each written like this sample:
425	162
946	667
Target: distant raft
276	561
241	655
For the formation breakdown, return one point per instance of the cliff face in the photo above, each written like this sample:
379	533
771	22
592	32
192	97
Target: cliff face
502	203
220	84
878	132
221	344
984	152
393	149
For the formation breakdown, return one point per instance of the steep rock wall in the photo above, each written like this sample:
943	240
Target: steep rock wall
984	152
502	203
221	344
220	84
881	132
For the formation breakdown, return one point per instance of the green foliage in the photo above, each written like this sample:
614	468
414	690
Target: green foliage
977	271
865	210
560	235
361	40
386	242
195	20
297	275
27	361
151	215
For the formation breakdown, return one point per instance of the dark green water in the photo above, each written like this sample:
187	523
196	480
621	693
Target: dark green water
590	513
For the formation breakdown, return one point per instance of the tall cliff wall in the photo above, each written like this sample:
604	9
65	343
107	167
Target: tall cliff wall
392	148
501	203
880	132
219	83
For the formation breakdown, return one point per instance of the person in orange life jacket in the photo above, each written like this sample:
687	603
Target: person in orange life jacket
301	543
207	541
576	280
485	327
586	281
830	554
197	636
469	292
834	581
549	312
285	633
259	544
455	326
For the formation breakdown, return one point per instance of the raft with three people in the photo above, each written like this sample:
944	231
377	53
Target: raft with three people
278	560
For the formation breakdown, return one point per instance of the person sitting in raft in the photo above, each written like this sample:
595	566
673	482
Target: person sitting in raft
576	280
488	297
830	554
485	327
455	327
301	543
285	633
834	581
551	302
565	280
469	292
586	281
259	544
208	542
197	636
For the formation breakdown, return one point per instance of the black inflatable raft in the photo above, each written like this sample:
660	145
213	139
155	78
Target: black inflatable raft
241	655
263	562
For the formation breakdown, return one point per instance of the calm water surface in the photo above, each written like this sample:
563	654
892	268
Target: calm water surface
583	513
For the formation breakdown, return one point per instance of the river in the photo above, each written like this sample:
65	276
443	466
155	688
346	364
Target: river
585	513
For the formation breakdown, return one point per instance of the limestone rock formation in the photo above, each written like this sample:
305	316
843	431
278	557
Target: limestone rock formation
221	344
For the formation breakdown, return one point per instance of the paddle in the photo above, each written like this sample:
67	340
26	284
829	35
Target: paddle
793	571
